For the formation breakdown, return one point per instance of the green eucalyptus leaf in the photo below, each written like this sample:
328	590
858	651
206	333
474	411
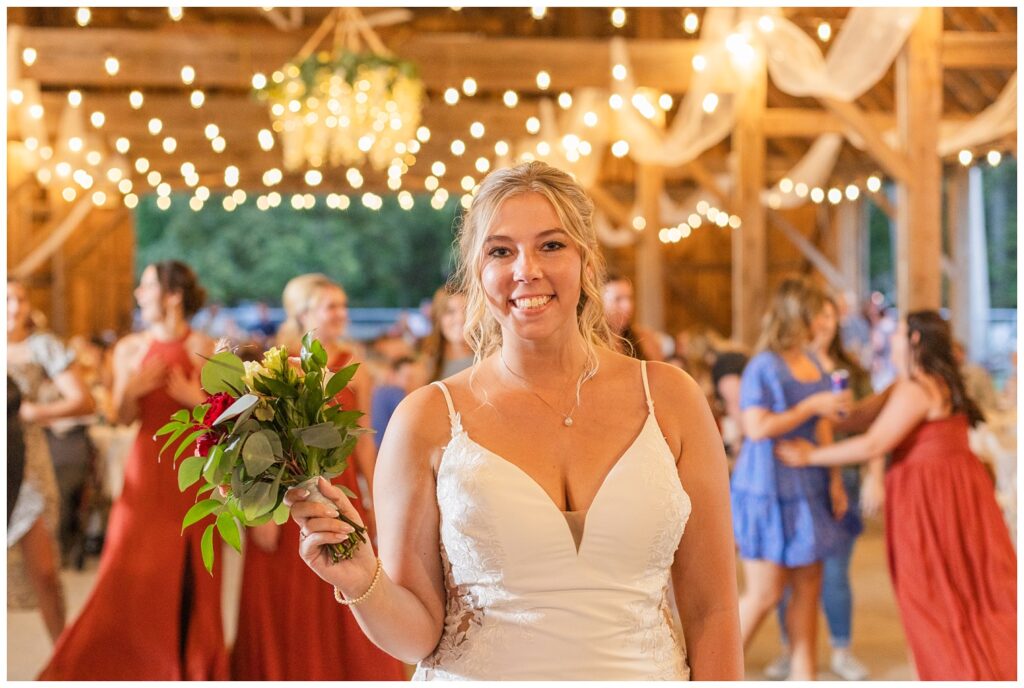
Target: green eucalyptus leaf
240	406
346	419
223	373
340	380
258	500
319	353
257	453
212	464
190	471
230	530
281	513
207	548
199	511
322	436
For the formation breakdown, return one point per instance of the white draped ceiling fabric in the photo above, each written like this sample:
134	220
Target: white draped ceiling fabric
863	51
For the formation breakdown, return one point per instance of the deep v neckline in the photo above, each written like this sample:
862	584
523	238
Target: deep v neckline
529	479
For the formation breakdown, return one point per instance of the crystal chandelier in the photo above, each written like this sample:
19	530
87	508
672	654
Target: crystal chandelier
352	104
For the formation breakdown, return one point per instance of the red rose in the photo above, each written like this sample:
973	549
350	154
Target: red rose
219	403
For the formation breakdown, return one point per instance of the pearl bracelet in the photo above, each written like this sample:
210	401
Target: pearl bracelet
373	584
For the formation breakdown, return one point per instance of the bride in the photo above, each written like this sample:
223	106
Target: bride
531	509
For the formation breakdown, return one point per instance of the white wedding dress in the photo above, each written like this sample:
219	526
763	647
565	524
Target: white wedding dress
524	602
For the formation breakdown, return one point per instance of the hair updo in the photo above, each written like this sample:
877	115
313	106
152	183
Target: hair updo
175	277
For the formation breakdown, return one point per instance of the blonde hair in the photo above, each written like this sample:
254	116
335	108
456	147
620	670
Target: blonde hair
299	296
575	212
787	322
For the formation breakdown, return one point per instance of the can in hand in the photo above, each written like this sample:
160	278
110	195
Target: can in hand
840	380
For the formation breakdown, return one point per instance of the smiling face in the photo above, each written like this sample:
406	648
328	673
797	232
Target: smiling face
153	302
530	270
453	319
327	314
823	325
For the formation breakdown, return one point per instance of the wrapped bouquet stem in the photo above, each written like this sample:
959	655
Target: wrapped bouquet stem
266	427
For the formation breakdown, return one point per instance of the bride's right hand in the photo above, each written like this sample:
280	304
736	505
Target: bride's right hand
319	525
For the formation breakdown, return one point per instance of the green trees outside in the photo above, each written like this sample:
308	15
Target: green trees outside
384	258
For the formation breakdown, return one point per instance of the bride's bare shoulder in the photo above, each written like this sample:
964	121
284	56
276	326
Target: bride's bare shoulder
422	418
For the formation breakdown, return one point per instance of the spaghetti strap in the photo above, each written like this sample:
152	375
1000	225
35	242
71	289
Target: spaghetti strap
452	416
647	387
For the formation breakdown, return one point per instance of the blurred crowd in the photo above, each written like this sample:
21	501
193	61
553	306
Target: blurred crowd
66	445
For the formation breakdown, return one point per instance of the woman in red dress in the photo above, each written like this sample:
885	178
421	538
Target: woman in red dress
289	626
953	566
154	613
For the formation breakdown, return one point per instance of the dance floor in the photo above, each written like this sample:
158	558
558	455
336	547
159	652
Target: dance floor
877	636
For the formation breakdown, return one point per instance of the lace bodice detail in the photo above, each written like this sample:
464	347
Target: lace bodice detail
523	603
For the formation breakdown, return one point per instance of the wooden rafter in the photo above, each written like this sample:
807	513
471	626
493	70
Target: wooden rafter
894	163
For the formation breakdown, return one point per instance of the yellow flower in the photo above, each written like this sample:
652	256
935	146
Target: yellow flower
252	369
275	360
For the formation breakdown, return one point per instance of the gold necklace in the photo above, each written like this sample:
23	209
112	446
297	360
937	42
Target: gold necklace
566	417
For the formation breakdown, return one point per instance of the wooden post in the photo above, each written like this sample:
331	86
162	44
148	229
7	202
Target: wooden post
919	197
749	243
968	285
852	246
650	269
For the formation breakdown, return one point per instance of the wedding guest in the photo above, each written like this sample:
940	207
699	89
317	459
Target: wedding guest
785	519
532	508
836	592
619	307
952	564
154	612
977	381
446	347
50	389
407	374
286	632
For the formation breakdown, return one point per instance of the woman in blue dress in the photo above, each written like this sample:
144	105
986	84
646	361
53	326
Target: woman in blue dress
784	519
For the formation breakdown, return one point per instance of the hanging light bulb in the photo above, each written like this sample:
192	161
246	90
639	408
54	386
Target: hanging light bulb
824	31
543	80
618	17
691	22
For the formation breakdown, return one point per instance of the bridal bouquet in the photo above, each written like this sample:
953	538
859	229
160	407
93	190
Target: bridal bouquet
265	427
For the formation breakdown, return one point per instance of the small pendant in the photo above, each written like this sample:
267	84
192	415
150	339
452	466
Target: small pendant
568	422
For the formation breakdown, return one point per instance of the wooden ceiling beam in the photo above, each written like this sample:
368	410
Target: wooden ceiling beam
226	58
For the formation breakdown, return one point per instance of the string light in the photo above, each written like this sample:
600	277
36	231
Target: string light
130	201
83	16
965	157
510	98
197	99
533	125
565	100
423	134
266	139
154	178
615	101
817	194
231	176
874	184
665	102
314	177
824	31
538	12
699	62
691	22
219	144
852	192
501	148
469	86
766	24
620	149
639	223
994	157
482	165
188	75
451	96
543	80
834	196
618	17
785	185
458	147
212	131
155	125
164	202
590	119
28	56
175	13
801	189
710	102
111	65
74	98
619	72
135	99
36	111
